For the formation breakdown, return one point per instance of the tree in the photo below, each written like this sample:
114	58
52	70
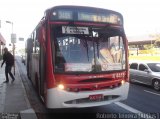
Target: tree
157	39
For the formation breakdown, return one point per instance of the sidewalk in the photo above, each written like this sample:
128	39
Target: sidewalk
13	98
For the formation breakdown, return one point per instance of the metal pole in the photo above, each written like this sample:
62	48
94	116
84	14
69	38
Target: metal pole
14	57
13	50
12	27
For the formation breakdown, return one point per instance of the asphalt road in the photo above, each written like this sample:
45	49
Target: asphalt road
142	100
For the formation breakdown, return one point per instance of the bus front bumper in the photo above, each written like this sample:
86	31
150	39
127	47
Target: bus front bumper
57	98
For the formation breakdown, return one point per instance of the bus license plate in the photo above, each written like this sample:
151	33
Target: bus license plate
96	97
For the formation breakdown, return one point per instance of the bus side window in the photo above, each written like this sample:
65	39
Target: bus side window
37	47
37	50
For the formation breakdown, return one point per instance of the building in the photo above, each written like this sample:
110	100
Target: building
140	40
136	44
2	44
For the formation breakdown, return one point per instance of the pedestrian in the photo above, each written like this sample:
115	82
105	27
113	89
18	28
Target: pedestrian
8	59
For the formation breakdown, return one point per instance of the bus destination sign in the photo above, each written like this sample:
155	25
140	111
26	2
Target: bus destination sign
75	30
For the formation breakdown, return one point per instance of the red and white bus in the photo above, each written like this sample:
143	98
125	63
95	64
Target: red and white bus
78	57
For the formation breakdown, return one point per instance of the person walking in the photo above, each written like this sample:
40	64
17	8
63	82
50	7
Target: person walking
9	60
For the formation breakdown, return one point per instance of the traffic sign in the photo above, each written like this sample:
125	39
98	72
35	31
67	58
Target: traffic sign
13	38
21	39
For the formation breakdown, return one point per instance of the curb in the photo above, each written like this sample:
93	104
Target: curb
28	114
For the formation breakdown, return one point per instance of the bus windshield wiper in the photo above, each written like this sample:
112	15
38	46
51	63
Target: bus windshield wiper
97	44
85	44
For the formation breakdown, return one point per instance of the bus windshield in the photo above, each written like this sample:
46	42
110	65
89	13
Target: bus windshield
87	49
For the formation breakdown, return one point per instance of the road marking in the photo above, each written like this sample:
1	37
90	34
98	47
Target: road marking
127	107
139	113
152	92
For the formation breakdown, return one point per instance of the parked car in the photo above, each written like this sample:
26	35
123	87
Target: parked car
146	73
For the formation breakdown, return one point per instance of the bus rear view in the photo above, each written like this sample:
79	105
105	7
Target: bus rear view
88	57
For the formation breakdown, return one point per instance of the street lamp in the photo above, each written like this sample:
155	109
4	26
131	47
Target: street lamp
13	37
10	23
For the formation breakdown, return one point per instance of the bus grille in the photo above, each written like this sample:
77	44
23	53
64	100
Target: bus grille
91	88
87	100
95	80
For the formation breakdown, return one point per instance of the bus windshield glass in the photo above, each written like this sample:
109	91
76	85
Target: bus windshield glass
87	49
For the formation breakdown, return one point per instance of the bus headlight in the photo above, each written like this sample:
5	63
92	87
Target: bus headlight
122	82
61	86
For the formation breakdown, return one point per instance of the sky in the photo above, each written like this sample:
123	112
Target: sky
140	16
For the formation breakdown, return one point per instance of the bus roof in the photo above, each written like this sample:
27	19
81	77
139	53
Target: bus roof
84	14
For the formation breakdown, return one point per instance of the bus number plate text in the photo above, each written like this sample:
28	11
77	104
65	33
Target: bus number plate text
96	97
